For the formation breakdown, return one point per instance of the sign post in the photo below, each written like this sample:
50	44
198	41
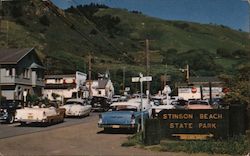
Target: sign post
141	79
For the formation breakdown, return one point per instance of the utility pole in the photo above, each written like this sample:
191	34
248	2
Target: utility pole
90	69
123	80
147	61
165	77
186	71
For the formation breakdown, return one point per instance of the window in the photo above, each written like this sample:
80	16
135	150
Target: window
26	73
99	92
10	71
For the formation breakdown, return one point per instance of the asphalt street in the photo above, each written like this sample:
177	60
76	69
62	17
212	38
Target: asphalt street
12	130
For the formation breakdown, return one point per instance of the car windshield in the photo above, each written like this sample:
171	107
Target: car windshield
198	103
125	108
73	103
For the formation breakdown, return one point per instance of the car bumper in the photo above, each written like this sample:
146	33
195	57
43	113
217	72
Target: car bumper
131	126
32	120
3	116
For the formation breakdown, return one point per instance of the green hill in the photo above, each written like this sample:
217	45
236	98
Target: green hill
115	38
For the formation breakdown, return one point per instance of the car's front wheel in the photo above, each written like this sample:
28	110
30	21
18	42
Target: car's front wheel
10	118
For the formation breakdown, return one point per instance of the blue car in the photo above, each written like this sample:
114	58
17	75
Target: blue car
125	115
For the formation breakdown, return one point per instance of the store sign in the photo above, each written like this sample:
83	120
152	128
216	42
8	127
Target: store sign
195	124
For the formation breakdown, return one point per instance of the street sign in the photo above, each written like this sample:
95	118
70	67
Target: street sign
146	78
135	79
138	79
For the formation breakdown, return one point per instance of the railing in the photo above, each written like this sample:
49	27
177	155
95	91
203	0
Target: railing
17	80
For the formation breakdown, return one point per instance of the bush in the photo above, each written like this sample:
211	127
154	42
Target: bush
133	140
234	146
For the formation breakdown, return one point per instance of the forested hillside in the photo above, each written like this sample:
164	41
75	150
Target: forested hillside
115	39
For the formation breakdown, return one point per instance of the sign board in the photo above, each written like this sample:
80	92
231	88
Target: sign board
80	79
146	78
138	79
135	79
195	124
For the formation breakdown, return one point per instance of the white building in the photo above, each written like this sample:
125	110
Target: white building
66	86
192	90
101	87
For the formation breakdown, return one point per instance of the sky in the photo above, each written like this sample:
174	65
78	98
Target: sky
231	13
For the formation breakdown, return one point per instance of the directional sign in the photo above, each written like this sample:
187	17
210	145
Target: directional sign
135	79
146	78
138	79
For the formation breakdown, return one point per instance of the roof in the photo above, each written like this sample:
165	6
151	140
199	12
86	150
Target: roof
102	83
132	102
75	100
36	66
13	56
59	76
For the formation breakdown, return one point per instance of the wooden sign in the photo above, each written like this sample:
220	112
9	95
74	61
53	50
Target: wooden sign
195	124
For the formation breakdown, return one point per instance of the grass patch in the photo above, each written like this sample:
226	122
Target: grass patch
233	146
134	140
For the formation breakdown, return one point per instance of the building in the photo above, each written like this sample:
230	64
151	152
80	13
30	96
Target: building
198	88
21	73
61	87
102	87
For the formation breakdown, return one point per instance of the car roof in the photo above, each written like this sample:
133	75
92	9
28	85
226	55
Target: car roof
131	102
75	100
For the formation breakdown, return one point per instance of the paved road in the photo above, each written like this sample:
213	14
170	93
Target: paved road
11	130
74	137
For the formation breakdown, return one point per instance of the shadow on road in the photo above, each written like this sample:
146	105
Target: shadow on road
116	131
37	124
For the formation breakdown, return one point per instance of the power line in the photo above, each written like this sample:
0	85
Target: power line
101	34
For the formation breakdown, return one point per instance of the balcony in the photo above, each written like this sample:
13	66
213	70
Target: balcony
11	80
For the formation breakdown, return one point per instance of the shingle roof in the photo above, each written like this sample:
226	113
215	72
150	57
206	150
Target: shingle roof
102	83
13	56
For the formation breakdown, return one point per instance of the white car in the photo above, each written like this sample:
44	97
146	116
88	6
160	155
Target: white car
159	103
77	107
40	115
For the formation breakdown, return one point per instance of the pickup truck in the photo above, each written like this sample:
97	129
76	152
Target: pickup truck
125	115
8	110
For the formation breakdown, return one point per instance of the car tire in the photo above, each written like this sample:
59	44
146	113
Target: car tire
23	123
10	118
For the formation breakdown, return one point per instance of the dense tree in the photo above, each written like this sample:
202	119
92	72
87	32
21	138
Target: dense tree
239	86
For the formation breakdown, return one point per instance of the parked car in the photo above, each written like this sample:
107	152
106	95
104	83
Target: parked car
100	103
160	103
125	115
8	110
124	98
198	104
116	98
36	114
217	103
180	104
77	107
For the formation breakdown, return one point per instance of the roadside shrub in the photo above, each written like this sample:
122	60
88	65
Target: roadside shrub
133	140
234	146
